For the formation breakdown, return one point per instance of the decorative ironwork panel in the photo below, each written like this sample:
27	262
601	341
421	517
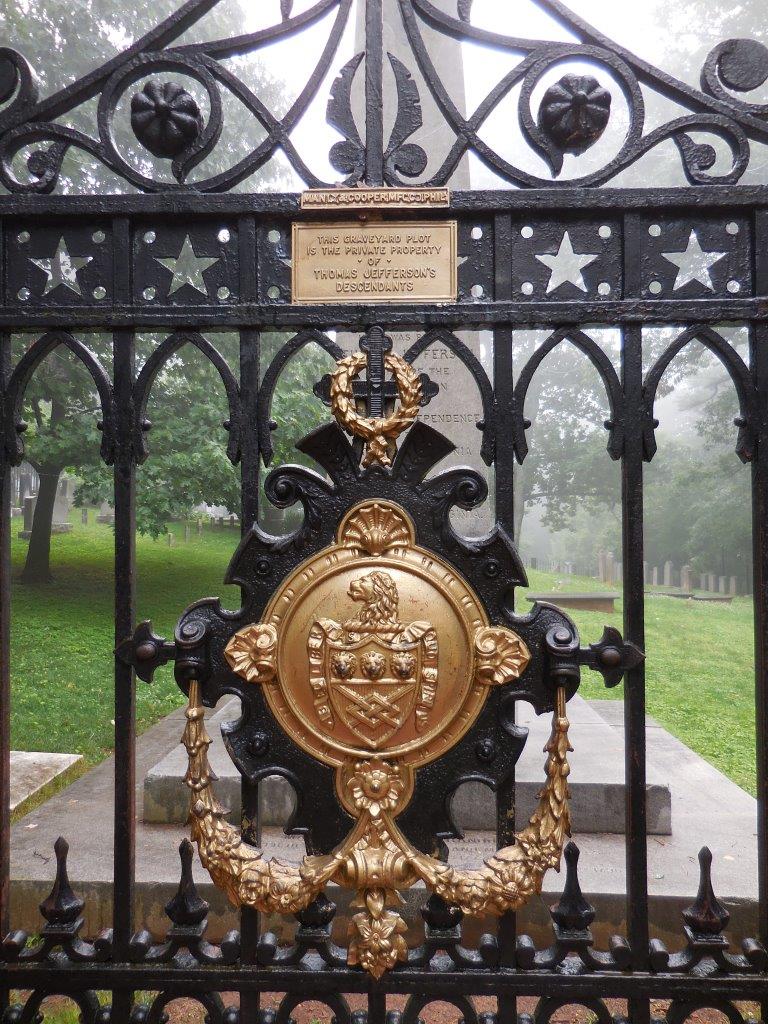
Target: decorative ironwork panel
377	651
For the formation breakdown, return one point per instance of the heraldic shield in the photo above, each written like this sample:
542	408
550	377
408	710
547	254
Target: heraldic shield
373	671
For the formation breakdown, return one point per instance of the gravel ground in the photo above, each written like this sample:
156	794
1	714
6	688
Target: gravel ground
58	1010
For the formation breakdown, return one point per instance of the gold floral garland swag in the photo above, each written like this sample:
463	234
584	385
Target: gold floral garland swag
375	858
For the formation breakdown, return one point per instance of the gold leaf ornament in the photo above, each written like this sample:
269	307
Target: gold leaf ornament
376	657
376	936
251	652
500	655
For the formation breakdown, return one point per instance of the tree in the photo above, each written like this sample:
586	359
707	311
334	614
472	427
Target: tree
696	507
61	407
188	464
567	469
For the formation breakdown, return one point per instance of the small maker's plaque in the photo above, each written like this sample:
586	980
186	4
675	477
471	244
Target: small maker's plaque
410	261
416	198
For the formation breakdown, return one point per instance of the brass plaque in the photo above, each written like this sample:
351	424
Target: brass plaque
375	198
403	261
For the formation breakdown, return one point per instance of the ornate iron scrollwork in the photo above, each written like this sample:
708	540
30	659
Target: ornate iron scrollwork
570	117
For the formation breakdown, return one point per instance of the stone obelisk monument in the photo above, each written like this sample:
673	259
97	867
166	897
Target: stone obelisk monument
456	410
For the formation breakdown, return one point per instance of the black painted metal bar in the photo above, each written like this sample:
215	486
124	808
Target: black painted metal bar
633	589
504	468
377	1005
249	380
5	670
706	199
374	94
250	920
684	312
316	978
759	363
759	368
634	682
125	592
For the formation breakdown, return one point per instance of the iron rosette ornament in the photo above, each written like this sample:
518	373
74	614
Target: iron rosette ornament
376	657
36	134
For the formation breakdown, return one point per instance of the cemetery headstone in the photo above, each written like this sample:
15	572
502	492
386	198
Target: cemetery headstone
667	574
61	507
609	567
732	586
655	576
29	516
106	514
685	579
601	566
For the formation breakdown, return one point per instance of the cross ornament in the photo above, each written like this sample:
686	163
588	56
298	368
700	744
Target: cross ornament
375	392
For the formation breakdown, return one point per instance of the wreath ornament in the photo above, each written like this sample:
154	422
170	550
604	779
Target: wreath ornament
378	432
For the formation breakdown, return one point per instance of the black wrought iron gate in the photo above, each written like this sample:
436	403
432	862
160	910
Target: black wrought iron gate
111	263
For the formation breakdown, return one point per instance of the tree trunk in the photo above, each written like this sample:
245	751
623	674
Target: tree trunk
37	568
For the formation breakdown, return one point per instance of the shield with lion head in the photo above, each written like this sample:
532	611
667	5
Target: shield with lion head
372	672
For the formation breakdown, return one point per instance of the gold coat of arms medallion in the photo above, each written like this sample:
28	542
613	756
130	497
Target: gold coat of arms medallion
375	646
376	657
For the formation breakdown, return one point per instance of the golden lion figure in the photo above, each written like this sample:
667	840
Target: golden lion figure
371	671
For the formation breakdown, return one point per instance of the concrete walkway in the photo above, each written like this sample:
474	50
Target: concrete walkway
706	809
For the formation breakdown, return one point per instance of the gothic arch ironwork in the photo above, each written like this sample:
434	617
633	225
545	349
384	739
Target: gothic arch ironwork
158	359
734	366
23	373
602	364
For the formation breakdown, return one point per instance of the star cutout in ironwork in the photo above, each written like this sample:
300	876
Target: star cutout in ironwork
693	264
187	268
566	265
61	269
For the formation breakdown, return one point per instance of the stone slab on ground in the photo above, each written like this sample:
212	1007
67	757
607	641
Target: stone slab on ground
707	809
596	780
591	601
32	770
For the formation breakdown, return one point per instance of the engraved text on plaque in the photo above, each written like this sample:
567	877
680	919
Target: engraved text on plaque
411	261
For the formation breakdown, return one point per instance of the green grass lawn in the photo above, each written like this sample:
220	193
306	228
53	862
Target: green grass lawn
62	635
699	670
700	656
